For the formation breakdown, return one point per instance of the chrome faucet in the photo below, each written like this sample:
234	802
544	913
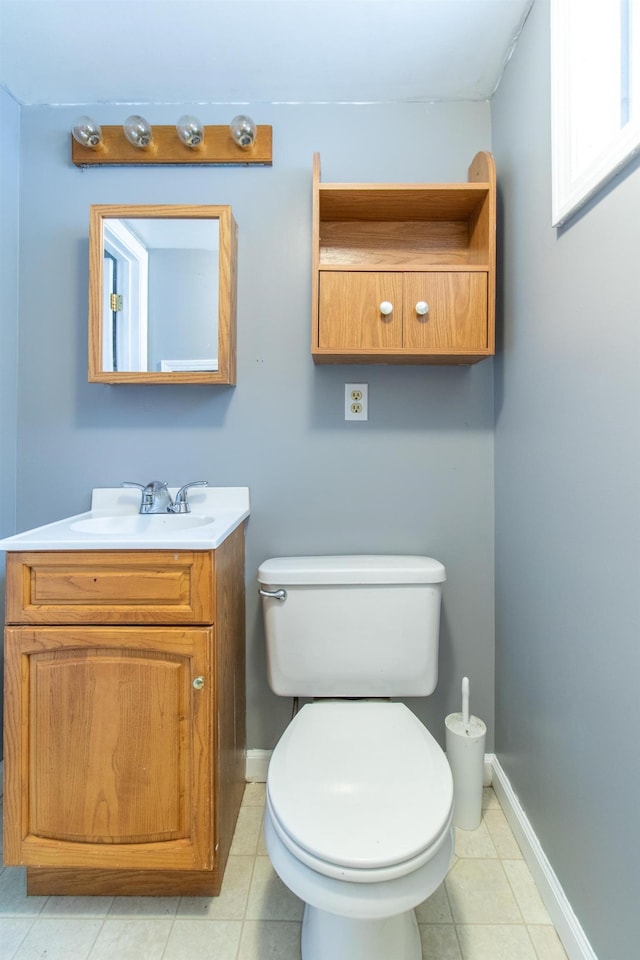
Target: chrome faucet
157	499
181	504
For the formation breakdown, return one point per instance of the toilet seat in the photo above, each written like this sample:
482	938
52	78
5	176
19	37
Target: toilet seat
360	790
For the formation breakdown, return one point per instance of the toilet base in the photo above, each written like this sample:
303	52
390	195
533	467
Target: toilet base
326	936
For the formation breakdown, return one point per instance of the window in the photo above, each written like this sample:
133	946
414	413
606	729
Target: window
595	96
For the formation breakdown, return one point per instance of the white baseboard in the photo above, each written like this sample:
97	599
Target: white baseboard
257	765
564	919
488	770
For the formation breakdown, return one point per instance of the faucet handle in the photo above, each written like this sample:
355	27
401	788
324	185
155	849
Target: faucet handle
132	483
181	504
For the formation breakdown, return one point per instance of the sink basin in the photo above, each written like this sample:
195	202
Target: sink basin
140	524
113	523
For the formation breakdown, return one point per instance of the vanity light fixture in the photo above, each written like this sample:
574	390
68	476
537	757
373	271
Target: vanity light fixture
138	131
188	142
87	133
190	131
243	131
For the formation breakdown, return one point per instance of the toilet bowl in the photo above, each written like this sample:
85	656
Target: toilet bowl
358	824
358	818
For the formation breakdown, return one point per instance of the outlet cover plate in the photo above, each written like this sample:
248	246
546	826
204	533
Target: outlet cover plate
356	401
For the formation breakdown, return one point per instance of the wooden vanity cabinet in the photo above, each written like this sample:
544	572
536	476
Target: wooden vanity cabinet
405	273
125	718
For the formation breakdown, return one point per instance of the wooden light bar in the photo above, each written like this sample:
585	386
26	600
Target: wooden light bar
217	148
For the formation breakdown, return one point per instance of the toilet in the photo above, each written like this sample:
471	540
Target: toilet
359	800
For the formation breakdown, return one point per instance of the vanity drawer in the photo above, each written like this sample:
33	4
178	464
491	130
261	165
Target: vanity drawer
105	586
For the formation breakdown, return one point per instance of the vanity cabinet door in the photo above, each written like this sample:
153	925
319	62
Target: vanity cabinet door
108	747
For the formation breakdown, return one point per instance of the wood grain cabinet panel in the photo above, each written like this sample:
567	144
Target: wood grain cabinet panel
104	586
114	746
455	317
124	741
350	315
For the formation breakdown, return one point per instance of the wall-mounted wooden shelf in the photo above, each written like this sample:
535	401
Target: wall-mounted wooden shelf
382	250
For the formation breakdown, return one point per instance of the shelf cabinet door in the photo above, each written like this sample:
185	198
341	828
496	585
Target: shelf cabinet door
350	316
108	747
457	311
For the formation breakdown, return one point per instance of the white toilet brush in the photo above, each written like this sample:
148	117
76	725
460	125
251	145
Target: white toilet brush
465	743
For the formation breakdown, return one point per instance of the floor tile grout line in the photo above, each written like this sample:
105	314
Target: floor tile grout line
246	902
448	900
44	902
108	913
515	895
457	936
529	938
173	923
513	892
28	931
492	923
95	939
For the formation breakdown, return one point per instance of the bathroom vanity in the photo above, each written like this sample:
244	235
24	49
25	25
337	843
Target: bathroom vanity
125	697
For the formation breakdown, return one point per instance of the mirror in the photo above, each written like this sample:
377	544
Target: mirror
162	294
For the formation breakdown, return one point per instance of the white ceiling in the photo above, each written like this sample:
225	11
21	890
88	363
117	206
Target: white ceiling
255	51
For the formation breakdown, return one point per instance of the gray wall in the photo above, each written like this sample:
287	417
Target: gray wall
9	184
183	317
416	478
568	510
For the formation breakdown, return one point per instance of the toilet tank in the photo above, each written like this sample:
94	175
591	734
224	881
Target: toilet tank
352	626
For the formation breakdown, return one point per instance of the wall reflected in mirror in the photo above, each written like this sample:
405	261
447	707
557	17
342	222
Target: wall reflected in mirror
167	270
162	294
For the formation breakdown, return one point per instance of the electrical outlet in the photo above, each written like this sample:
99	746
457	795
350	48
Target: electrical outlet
356	401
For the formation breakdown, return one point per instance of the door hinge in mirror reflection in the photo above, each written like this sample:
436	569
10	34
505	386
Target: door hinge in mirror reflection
115	302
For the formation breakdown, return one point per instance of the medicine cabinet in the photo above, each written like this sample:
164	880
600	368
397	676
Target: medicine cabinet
162	294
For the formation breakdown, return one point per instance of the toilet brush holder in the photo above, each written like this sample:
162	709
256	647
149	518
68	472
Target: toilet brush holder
465	745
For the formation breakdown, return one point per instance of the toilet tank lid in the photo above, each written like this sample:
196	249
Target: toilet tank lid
350	569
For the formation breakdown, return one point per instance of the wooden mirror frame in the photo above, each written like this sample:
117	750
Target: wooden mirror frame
227	286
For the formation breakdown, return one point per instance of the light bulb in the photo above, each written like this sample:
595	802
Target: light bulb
190	130
87	132
137	130
243	131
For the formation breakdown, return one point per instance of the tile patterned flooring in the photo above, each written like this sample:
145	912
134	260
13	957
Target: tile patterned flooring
487	909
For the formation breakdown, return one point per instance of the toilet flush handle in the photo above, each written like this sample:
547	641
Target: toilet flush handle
274	594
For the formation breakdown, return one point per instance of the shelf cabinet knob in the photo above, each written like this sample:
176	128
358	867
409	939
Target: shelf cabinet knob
198	683
422	308
386	308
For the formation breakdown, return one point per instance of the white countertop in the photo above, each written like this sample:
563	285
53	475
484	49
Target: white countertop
114	523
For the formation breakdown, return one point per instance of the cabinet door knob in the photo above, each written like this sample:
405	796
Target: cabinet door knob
422	308
198	683
386	308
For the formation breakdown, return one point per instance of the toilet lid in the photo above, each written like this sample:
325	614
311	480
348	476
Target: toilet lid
360	784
